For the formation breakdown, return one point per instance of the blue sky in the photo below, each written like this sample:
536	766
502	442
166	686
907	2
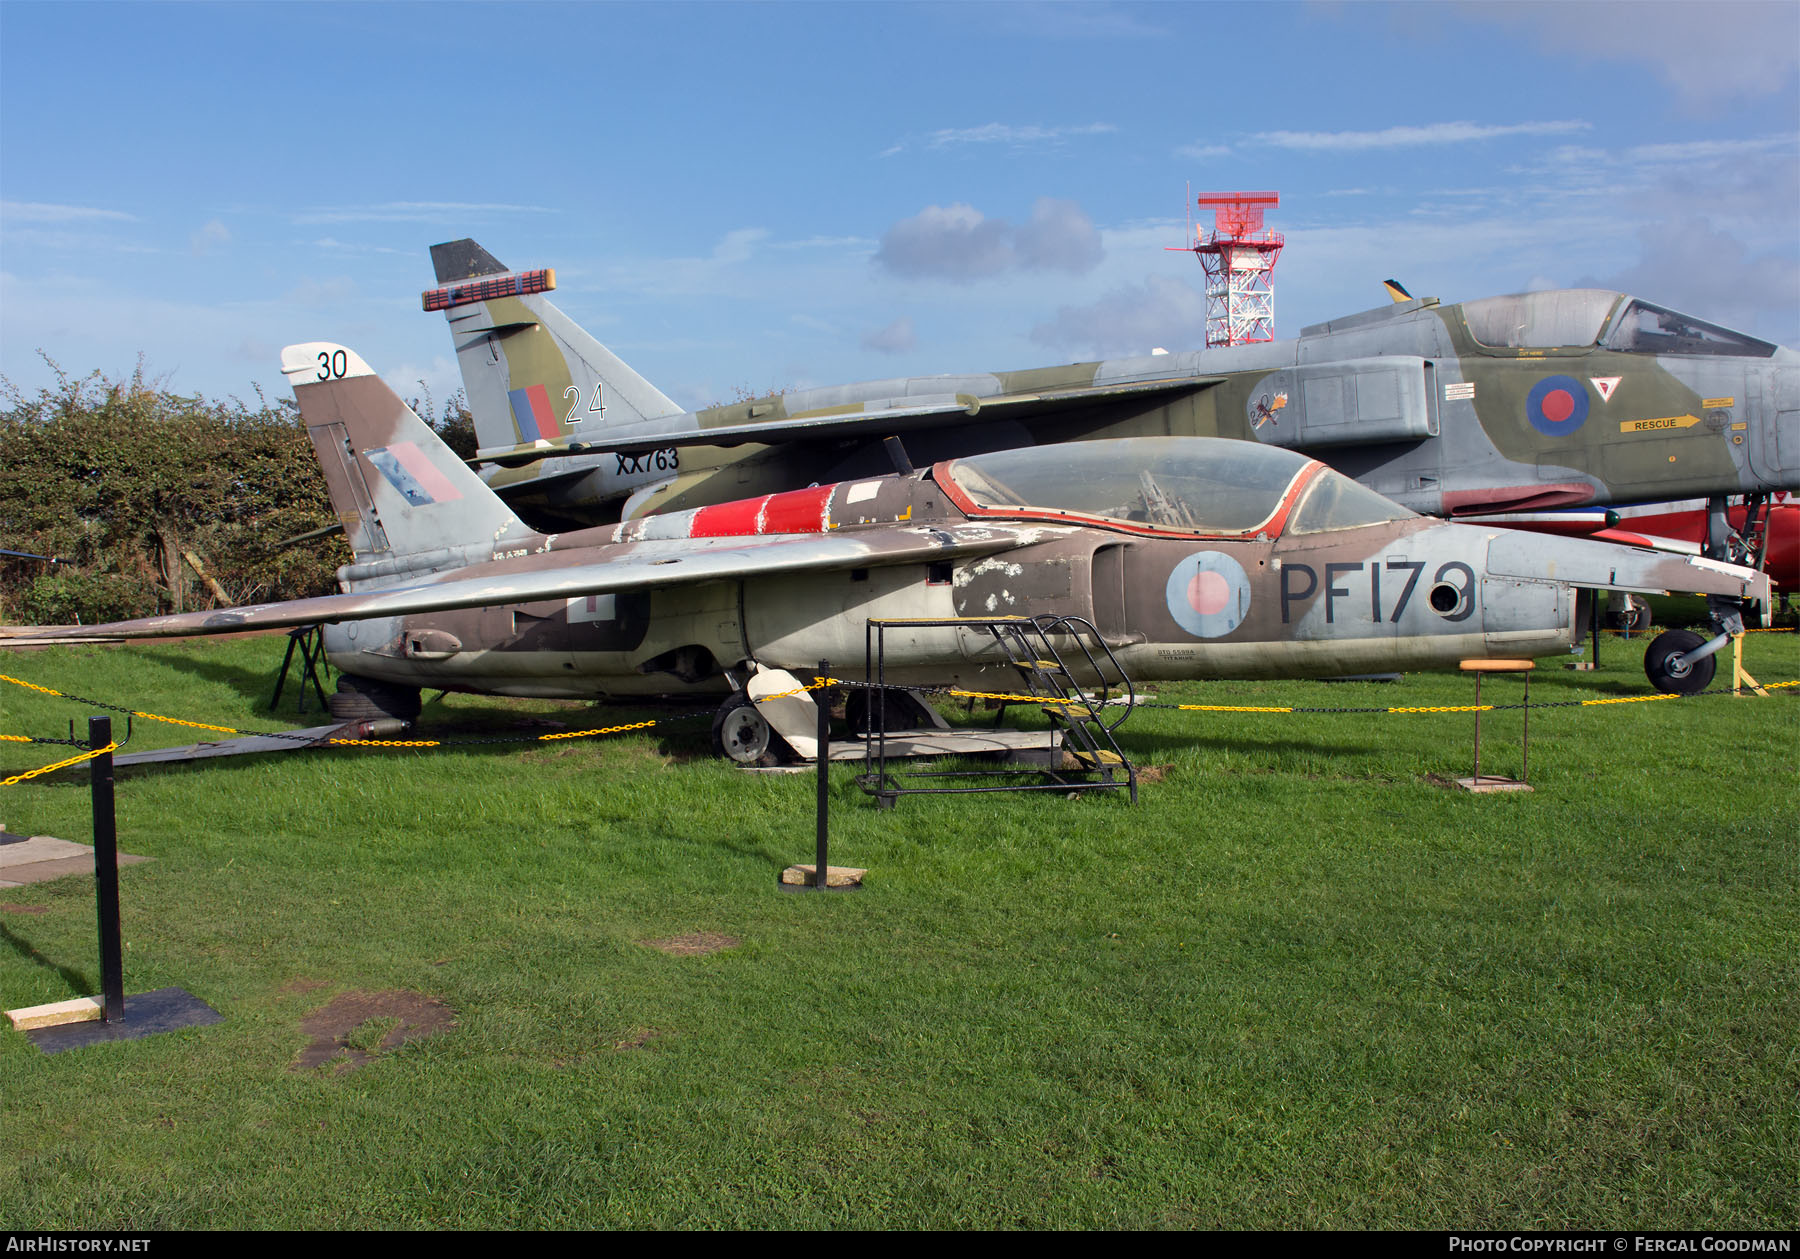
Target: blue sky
750	196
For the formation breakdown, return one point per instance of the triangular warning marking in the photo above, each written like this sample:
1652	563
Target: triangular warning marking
1606	385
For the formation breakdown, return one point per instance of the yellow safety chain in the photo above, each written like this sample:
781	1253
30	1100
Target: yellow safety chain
31	686
1012	699
197	725
387	743
73	760
589	734
1628	699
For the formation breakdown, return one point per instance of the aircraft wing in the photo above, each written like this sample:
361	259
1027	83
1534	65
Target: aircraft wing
646	565
870	419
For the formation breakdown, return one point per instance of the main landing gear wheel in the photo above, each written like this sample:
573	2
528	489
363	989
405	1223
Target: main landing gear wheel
364	699
1668	668
743	735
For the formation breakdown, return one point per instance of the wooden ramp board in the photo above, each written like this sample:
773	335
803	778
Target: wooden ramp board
248	745
907	744
44	857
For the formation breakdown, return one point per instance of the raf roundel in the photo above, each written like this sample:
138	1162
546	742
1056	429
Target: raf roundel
1557	405
1208	594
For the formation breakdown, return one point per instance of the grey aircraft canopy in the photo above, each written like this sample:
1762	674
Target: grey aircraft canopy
1188	484
1567	318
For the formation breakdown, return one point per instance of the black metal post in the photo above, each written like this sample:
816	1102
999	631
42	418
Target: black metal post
1594	626
106	871
822	697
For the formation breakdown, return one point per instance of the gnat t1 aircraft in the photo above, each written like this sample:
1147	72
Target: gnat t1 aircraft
1568	398
1193	557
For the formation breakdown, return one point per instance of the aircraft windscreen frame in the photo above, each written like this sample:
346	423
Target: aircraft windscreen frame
1336	502
1205	486
1646	328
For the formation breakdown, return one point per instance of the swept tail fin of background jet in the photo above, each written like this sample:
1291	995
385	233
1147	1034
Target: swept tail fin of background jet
396	488
534	377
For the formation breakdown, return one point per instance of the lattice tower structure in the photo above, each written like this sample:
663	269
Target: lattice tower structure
1239	257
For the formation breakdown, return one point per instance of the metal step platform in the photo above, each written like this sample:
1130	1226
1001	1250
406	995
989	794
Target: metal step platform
1077	750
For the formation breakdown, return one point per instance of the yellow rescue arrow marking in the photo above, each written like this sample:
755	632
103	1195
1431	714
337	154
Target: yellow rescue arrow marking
1651	426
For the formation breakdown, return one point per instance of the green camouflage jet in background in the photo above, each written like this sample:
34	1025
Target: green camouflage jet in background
1564	398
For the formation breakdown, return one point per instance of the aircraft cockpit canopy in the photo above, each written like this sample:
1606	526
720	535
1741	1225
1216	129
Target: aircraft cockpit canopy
1201	485
1645	329
1540	321
1568	318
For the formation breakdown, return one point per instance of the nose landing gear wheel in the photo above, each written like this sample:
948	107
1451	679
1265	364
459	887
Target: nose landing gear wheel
1669	670
743	735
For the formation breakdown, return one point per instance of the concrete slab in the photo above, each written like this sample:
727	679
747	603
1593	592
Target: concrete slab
44	857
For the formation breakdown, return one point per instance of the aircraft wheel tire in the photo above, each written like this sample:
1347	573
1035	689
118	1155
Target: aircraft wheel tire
743	736
364	699
1666	665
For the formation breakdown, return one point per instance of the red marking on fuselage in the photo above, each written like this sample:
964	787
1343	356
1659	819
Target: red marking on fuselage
1208	592
1558	406
728	520
797	511
1498	498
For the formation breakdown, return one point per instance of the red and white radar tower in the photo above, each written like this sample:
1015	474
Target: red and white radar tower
1239	260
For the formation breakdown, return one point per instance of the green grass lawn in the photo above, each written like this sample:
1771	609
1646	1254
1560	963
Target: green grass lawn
1298	985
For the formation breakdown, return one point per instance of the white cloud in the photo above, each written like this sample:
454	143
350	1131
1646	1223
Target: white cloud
738	244
1412	136
1710	53
897	338
311	292
1059	237
1130	320
45	212
415	212
1015	136
959	243
1203	152
209	237
1003	133
953	242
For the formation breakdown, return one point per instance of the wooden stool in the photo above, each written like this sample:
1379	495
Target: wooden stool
1493	782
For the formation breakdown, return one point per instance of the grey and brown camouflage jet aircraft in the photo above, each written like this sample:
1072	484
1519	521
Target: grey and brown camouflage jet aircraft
1193	557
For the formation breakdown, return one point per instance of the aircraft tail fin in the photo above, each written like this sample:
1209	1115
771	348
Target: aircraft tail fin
534	377
397	489
1395	289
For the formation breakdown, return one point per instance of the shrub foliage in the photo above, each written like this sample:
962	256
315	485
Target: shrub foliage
137	489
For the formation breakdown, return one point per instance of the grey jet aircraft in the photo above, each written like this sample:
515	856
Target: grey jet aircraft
1565	398
1193	557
